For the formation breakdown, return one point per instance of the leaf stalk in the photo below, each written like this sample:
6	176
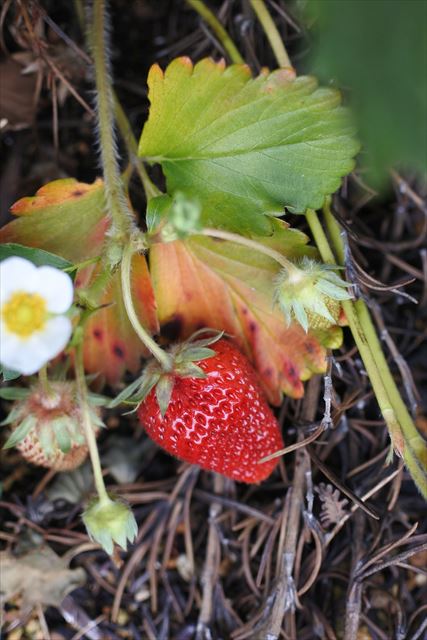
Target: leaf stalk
272	33
218	29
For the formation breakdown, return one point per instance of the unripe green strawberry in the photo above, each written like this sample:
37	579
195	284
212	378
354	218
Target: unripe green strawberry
311	293
47	426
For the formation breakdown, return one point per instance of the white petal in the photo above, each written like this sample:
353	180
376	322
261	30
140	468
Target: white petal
28	355
55	336
16	274
9	346
56	287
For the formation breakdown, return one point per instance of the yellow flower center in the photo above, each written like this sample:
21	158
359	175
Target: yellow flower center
24	313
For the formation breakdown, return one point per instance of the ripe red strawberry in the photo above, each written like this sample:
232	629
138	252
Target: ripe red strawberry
221	421
48	426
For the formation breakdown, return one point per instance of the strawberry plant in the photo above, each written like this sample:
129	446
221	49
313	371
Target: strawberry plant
212	252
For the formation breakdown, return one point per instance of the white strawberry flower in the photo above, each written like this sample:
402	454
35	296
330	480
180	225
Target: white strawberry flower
33	301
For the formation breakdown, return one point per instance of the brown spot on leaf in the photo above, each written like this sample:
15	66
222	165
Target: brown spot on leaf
78	192
252	327
118	351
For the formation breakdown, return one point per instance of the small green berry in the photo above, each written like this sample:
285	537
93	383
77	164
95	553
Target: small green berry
108	521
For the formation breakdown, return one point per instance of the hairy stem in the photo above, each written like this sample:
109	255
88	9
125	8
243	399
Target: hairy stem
218	29
118	208
272	33
87	424
126	275
251	244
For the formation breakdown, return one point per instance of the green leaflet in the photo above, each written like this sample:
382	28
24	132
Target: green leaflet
36	256
244	146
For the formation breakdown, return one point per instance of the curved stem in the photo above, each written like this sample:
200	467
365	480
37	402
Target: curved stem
87	424
118	208
272	33
218	29
251	244
126	274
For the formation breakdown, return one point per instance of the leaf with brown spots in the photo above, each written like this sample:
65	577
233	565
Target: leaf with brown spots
205	282
65	217
111	345
68	218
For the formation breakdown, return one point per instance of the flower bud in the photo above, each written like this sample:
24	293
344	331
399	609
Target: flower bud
311	294
110	520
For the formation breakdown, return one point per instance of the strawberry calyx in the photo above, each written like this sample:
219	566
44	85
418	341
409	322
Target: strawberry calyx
183	357
53	416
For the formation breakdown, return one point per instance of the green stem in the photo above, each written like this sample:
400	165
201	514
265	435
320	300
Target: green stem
272	33
44	380
123	219
404	435
218	29
126	269
251	244
88	426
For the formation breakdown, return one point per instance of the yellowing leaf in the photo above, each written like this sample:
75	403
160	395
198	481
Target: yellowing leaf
65	217
68	218
204	282
40	577
111	345
244	146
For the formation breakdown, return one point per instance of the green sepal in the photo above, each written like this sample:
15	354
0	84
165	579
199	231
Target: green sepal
20	432
61	431
190	370
46	441
194	354
164	390
98	400
108	521
126	393
9	374
14	393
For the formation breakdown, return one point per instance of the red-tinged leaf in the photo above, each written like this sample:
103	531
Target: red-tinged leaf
111	345
68	218
205	282
65	217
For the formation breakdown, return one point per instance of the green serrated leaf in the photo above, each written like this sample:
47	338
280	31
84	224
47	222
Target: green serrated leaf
14	393
36	256
20	432
388	83
243	146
